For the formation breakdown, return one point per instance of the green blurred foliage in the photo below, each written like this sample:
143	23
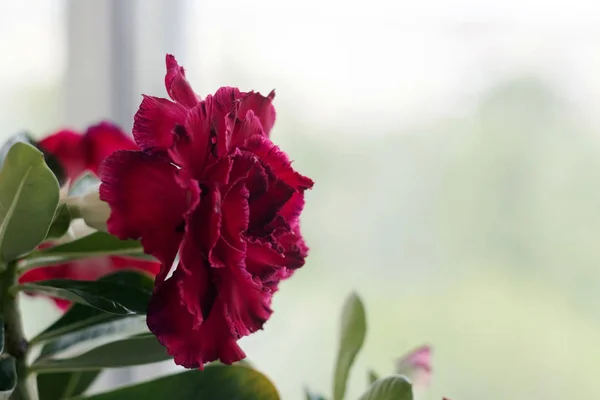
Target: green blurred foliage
475	234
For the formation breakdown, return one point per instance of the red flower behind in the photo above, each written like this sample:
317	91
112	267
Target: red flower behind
80	152
210	185
87	269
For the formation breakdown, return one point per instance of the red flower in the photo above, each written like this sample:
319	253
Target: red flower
87	269
210	185
77	152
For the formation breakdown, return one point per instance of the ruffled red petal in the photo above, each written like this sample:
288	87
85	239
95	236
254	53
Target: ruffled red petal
146	202
200	312
216	306
203	225
246	167
291	210
262	260
277	161
225	98
230	250
155	123
236	214
264	208
242	129
223	117
295	249
101	140
267	193
177	85
197	289
245	300
191	344
261	106
199	144
192	146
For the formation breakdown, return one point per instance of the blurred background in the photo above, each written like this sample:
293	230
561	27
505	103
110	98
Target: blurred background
455	146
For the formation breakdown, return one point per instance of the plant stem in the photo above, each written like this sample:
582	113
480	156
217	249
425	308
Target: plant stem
14	339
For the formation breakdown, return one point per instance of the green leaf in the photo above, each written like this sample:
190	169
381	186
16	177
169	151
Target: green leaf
8	377
114	298
83	184
95	244
65	385
60	223
372	376
79	316
312	396
83	340
29	196
354	329
1	335
393	387
216	382
143	349
51	161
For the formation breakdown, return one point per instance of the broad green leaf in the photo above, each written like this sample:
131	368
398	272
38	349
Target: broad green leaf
1	335
312	396
8	377
29	196
114	298
216	382
95	244
372	376
78	342
393	387
131	278
83	184
60	223
138	350
79	316
353	331
65	385
52	162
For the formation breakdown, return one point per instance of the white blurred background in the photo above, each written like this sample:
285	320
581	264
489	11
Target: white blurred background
456	154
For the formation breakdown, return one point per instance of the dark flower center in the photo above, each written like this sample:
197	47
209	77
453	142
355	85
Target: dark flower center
180	131
210	296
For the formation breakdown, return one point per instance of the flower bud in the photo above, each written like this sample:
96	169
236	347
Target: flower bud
416	366
94	211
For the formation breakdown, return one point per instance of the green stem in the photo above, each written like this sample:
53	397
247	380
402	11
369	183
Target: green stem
14	339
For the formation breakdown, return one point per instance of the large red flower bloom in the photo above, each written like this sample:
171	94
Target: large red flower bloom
210	185
80	152
87	269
